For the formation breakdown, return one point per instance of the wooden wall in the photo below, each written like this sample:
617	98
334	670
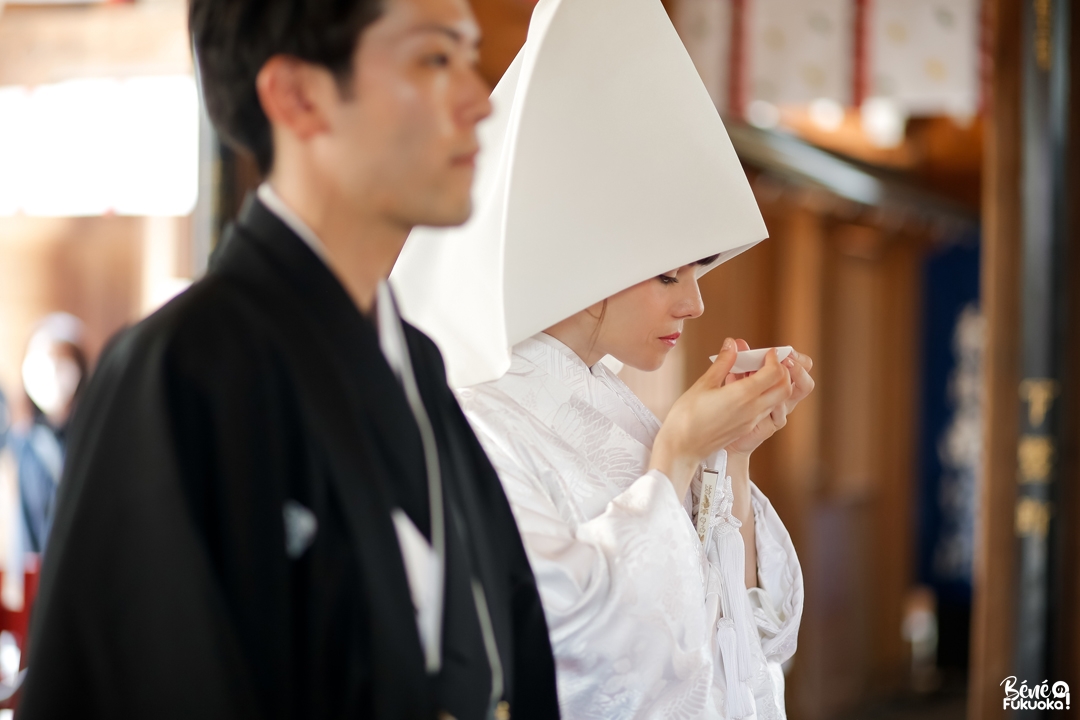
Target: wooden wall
50	43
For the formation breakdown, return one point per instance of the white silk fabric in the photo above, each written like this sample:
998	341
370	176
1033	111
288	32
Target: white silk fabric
645	622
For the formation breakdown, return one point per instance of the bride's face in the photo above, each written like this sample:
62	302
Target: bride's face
642	324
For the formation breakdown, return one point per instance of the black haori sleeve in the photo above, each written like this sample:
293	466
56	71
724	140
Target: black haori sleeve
166	591
130	621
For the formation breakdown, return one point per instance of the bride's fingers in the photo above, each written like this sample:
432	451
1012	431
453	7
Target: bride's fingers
803	359
721	368
802	385
761	388
778	392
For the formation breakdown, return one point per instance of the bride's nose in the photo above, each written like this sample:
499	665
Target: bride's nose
689	304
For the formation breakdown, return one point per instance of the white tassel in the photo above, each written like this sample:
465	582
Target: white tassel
736	604
738	705
734	628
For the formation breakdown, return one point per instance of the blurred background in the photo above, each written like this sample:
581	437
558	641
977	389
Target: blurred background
917	165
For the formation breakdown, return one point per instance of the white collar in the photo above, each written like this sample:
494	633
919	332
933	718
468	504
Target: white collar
544	360
387	320
607	363
276	205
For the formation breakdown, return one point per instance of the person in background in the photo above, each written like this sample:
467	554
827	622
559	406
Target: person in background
54	372
11	589
9	496
5	420
10	526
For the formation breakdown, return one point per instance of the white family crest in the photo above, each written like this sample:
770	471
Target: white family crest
1039	696
300	528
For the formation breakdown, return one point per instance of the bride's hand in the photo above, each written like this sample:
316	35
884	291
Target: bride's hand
713	414
799	366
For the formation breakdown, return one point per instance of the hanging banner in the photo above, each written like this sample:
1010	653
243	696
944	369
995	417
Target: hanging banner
706	29
799	51
924	55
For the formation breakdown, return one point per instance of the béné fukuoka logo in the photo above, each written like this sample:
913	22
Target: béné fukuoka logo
1041	696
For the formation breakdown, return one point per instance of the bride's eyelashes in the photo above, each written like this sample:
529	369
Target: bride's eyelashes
668	279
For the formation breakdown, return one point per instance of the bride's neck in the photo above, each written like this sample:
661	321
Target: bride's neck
579	334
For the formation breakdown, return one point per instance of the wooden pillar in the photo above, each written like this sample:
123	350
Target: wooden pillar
892	527
852	357
1065	654
994	610
799	283
994	635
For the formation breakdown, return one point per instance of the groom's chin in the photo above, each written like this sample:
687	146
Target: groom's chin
449	212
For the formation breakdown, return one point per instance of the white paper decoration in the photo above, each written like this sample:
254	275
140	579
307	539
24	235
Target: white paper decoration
800	51
924	55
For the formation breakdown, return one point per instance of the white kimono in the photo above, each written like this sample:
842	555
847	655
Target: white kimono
645	621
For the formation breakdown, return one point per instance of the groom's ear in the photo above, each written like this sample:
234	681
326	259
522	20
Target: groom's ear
295	96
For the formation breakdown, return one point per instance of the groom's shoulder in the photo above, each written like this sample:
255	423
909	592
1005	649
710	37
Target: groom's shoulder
212	324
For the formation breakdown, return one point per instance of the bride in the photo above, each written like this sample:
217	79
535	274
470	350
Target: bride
598	486
606	187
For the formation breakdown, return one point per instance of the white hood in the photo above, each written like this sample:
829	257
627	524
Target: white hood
604	163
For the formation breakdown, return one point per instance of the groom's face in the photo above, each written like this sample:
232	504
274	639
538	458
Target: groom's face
403	138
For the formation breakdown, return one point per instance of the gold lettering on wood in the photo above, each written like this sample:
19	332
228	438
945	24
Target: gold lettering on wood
1042	34
1039	394
1035	455
1032	518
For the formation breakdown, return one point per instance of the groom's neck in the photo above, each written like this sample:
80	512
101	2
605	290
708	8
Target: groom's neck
362	242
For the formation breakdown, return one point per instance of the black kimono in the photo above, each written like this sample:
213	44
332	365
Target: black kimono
167	591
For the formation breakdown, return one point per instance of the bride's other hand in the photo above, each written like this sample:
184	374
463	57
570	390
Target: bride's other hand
802	384
714	413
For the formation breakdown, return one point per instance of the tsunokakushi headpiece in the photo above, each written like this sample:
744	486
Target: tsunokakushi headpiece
604	163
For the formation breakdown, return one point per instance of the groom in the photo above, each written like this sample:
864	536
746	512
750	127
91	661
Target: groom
273	506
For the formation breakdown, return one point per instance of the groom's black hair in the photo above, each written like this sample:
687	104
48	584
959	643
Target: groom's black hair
233	39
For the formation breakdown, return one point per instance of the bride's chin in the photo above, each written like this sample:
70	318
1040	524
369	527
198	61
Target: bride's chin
649	363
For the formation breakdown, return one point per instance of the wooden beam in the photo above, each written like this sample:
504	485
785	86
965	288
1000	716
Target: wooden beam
49	44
